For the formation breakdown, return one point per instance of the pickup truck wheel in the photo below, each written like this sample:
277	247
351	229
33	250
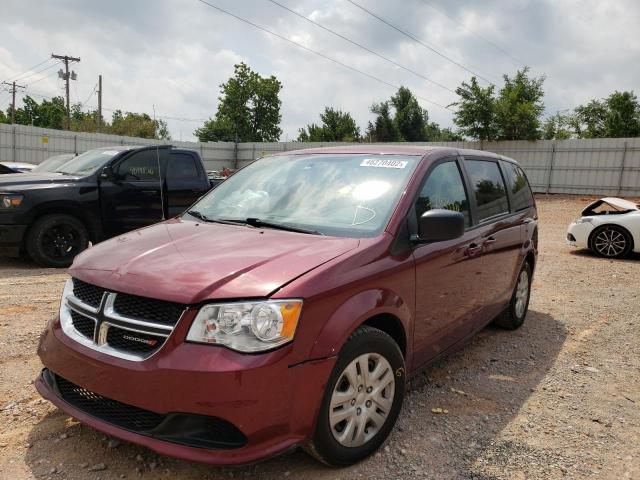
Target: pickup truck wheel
362	399
55	240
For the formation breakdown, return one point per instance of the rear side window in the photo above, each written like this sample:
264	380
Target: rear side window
182	166
489	189
141	166
444	188
520	189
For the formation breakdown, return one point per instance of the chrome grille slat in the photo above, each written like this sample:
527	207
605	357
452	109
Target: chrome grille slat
136	346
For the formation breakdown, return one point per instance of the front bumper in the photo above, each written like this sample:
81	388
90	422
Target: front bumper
272	403
11	237
578	234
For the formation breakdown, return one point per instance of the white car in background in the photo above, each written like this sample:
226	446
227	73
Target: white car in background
610	227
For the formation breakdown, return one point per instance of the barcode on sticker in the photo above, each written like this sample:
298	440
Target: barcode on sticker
383	163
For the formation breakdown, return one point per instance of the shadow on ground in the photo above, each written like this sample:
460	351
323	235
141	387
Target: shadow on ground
483	387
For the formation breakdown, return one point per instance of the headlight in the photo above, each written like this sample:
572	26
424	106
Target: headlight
10	200
583	220
247	326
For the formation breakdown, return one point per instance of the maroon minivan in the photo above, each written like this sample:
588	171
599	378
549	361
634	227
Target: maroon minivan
289	306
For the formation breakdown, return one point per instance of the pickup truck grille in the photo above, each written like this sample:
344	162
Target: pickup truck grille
119	324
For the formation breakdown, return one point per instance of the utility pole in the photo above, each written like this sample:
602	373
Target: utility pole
13	101
65	76
99	102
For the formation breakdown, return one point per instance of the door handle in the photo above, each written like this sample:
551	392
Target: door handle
489	241
472	249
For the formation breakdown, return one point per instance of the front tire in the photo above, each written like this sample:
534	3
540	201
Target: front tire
362	399
54	240
610	241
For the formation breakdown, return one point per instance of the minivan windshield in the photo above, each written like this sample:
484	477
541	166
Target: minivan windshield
88	162
344	195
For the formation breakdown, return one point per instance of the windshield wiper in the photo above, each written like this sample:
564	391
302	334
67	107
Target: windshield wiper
257	222
201	216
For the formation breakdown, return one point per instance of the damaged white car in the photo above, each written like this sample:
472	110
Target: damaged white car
610	227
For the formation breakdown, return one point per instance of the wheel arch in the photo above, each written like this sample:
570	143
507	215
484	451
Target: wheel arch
381	309
92	224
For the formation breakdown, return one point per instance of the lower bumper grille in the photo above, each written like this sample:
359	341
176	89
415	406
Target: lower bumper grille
182	428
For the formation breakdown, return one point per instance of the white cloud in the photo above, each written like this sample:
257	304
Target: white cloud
175	53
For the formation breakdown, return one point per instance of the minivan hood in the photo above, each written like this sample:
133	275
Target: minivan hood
188	262
22	181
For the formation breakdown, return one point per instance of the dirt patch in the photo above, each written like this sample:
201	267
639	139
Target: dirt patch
559	398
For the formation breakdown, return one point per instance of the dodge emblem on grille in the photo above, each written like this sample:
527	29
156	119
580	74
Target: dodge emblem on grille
149	342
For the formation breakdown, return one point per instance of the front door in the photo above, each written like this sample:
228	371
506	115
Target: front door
133	197
449	275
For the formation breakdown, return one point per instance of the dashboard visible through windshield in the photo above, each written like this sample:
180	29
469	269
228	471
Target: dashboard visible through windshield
330	194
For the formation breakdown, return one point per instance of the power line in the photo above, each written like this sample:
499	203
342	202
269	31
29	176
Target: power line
90	95
417	74
55	64
315	52
17	77
519	63
42	78
417	40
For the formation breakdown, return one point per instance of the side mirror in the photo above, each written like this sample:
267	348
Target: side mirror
107	173
439	225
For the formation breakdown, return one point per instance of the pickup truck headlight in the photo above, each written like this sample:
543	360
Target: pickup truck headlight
10	200
247	326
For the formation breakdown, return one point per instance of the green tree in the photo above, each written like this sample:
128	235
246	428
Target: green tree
337	126
137	125
519	107
623	115
590	120
557	127
249	109
4	118
384	128
47	114
476	109
410	118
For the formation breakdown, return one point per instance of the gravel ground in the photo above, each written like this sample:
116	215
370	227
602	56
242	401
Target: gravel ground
558	398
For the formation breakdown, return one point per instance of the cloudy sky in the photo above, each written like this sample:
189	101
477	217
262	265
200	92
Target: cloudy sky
175	53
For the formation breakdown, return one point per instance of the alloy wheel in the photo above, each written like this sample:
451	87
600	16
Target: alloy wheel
610	242
361	400
522	293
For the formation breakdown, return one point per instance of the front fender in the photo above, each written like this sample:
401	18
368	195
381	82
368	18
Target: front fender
357	310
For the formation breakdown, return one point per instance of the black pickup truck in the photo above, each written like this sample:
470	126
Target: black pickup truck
97	195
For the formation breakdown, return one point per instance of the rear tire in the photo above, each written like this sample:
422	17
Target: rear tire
54	240
610	241
362	399
514	315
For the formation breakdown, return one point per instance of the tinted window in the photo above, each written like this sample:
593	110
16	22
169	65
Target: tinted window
141	166
182	166
444	188
488	186
521	192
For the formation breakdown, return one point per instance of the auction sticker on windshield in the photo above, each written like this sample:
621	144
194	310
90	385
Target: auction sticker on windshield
383	163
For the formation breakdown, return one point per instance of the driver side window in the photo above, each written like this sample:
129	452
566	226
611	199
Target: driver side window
444	189
141	166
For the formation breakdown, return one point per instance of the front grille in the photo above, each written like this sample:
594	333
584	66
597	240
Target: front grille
111	411
133	342
89	294
193	430
129	326
84	325
148	309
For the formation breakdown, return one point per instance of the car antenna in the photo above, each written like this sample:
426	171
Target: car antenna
153	106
